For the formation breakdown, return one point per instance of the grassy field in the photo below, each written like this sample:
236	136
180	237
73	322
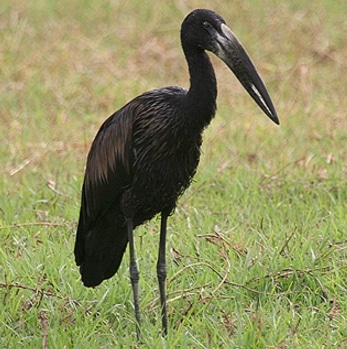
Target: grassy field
257	248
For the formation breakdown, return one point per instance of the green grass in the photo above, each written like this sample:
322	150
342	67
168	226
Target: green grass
257	248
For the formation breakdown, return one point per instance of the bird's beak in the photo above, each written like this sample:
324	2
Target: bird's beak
230	50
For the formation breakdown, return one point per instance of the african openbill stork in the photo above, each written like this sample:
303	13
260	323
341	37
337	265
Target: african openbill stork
145	155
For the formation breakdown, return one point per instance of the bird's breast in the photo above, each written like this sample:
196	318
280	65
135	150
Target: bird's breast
161	174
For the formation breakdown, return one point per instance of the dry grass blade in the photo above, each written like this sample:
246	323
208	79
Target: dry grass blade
43	318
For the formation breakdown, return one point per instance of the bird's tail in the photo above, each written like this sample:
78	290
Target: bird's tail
103	249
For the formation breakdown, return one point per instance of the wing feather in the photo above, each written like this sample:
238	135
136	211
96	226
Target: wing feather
108	172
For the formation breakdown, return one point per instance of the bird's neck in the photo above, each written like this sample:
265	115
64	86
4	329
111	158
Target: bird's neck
202	94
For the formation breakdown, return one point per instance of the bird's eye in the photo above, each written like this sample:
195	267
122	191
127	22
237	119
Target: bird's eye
206	24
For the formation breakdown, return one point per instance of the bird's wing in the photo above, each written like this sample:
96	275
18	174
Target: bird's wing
108	172
109	162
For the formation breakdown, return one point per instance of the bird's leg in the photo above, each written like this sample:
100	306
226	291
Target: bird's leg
134	275
161	271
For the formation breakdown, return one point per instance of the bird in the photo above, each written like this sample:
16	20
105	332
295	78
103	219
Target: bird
146	154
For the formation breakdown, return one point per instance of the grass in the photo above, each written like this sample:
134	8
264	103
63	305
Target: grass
257	247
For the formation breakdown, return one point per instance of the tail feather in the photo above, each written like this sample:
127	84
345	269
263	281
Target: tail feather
100	253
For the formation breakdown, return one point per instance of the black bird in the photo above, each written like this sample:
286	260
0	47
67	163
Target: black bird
146	154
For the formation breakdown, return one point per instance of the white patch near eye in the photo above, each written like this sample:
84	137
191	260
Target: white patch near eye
224	40
228	33
255	90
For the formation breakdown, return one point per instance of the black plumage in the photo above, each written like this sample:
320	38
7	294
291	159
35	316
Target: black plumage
146	154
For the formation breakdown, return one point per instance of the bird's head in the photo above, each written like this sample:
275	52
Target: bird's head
206	30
